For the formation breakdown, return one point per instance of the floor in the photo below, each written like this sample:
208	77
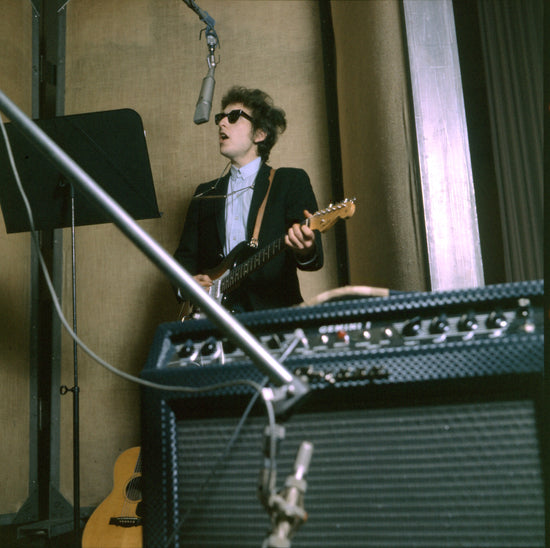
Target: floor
36	539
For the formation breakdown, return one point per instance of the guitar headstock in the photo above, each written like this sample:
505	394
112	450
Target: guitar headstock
326	218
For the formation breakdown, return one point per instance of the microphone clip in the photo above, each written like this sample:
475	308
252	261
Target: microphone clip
212	42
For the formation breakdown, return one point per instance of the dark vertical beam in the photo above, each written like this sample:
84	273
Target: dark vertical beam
46	512
30	511
333	122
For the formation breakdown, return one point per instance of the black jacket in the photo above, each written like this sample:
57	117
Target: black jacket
201	244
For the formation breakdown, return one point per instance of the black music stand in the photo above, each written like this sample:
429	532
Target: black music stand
110	146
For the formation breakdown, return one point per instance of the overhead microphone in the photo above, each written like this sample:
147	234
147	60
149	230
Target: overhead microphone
204	103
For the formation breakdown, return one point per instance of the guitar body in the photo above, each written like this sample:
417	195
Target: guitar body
238	255
115	523
218	274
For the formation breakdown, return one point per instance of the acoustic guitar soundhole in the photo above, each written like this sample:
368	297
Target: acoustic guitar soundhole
133	489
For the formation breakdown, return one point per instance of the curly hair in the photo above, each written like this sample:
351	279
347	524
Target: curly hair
266	116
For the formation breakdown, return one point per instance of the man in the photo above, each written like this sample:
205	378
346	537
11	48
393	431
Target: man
224	212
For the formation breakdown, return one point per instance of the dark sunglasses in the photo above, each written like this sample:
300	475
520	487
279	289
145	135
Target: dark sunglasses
232	116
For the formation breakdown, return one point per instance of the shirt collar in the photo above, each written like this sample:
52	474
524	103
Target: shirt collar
249	170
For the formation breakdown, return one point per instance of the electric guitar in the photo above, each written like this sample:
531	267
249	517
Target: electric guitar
116	522
230	273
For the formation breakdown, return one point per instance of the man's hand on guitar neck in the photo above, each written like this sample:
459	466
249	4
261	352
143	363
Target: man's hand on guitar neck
301	239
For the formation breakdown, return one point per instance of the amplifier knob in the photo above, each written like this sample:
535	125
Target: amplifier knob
412	327
525	315
524	309
496	320
439	325
467	322
342	336
187	349
209	346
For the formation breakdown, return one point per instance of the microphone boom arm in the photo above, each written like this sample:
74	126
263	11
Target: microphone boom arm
206	19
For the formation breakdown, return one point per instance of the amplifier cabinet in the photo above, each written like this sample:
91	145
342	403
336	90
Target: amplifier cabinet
424	412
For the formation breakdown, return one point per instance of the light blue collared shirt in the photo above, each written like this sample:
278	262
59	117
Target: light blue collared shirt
237	203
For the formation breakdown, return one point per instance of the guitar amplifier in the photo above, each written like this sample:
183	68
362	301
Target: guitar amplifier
424	411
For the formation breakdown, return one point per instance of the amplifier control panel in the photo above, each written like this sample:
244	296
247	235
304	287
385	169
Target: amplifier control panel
327	336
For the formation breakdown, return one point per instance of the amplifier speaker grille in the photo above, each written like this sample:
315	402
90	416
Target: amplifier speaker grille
466	474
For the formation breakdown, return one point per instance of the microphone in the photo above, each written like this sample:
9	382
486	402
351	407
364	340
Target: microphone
204	103
287	506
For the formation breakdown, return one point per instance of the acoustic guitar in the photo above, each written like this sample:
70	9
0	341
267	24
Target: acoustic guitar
243	260
116	522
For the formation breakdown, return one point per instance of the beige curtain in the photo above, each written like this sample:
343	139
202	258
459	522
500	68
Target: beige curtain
386	239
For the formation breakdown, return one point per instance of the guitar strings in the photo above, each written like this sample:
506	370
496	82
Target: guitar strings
132	493
34	237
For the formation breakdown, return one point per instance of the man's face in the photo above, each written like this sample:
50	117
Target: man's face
238	141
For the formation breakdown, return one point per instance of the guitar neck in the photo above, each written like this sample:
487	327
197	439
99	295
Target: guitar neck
321	220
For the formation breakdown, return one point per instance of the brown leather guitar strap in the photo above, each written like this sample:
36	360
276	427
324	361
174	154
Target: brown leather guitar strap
259	217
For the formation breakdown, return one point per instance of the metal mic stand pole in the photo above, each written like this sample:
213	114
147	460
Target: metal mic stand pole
288	387
75	389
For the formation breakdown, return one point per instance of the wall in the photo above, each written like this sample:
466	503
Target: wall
15	67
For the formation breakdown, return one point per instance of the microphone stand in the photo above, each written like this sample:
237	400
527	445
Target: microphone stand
204	102
288	388
286	506
75	389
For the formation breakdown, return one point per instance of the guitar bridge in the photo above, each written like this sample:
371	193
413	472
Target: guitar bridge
126	522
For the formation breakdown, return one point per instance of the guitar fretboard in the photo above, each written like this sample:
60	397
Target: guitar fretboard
253	263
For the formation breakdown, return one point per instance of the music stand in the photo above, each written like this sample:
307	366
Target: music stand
110	146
